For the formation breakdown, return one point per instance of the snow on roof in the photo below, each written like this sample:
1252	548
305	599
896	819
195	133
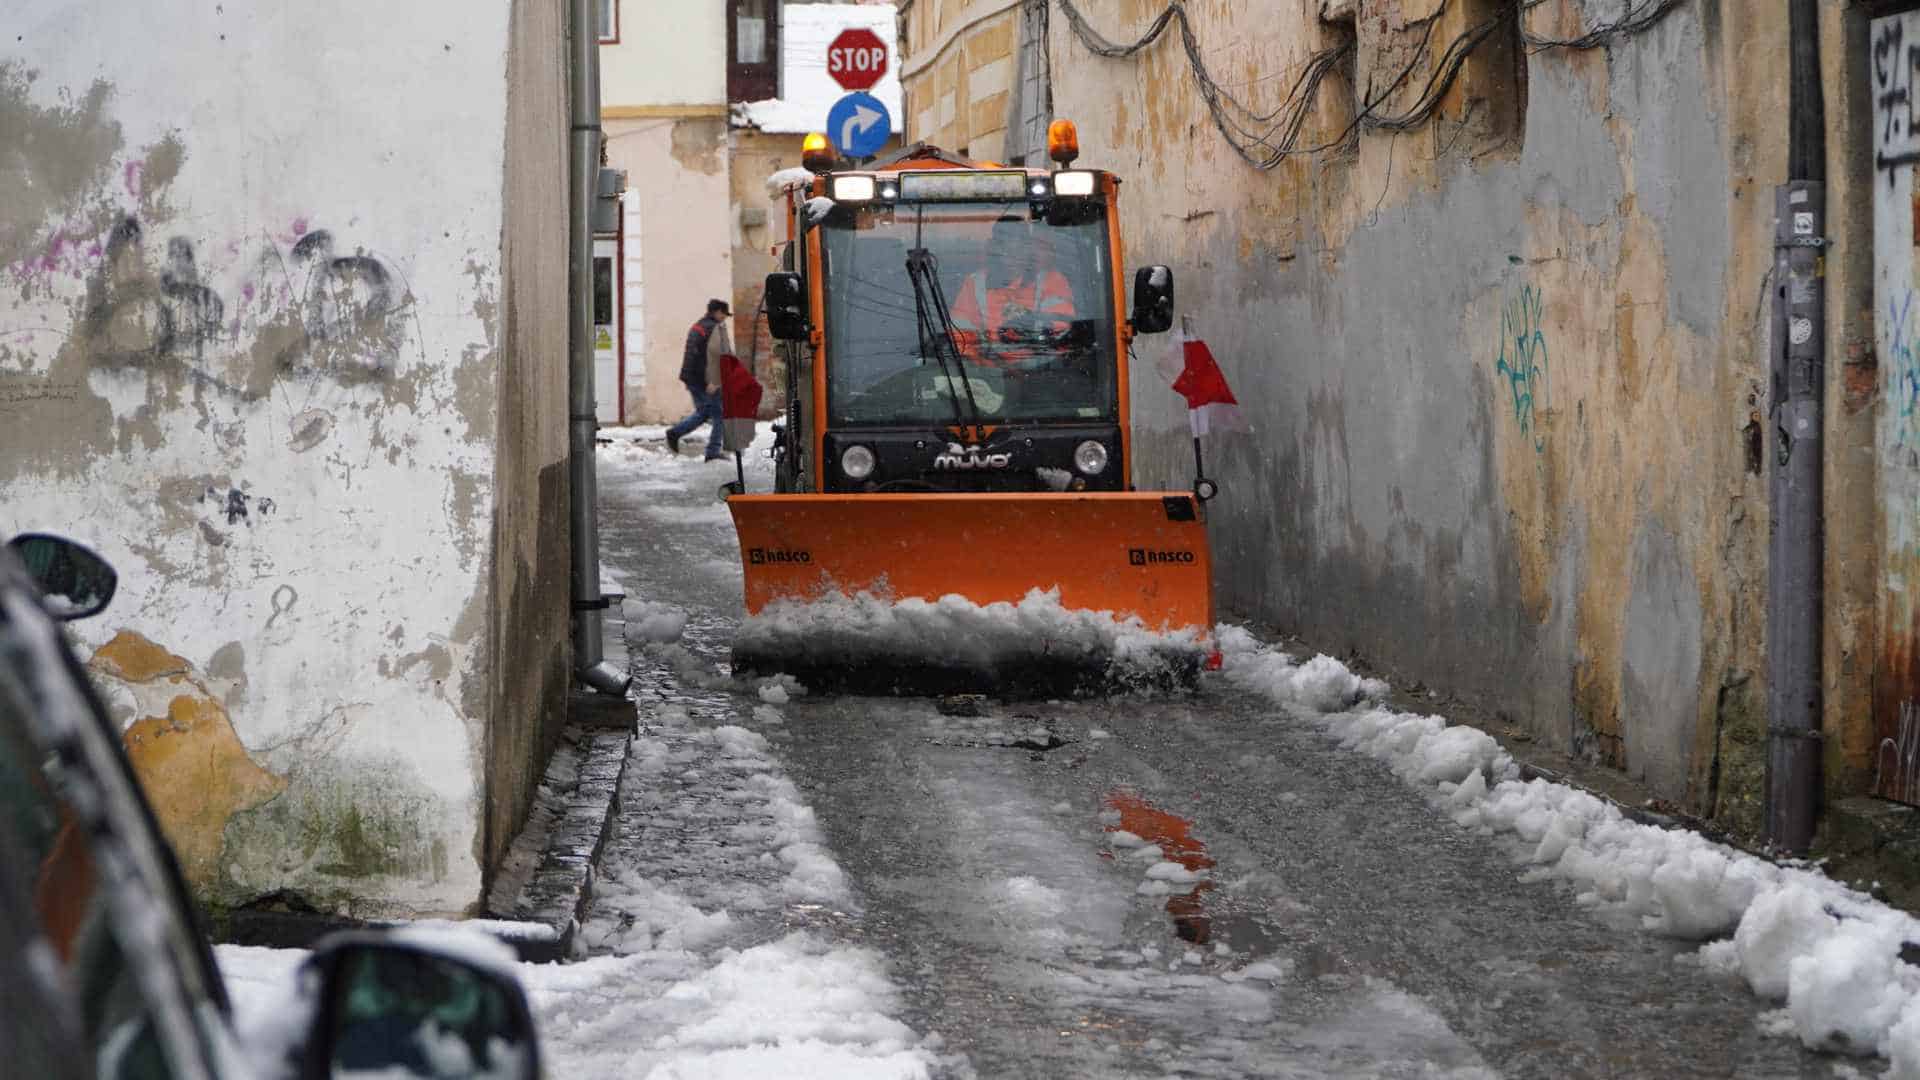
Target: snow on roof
807	91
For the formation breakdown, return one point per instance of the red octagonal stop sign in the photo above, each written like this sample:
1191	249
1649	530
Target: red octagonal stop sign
857	58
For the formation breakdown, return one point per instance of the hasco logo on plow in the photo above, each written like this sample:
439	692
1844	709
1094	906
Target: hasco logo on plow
1149	557
762	556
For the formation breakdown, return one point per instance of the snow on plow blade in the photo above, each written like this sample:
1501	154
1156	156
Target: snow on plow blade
1011	594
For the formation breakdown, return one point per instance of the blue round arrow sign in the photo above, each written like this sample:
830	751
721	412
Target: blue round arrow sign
858	125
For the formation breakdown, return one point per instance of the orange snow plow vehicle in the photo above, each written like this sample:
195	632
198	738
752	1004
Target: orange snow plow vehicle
957	432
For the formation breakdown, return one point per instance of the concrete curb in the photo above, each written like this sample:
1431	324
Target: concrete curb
548	875
568	829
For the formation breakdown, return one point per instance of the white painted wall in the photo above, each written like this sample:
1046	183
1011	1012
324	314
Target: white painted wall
668	54
349	605
678	172
634	305
807	92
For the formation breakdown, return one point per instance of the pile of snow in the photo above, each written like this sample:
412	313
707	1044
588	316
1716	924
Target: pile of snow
819	208
1830	953
953	631
634	914
647	620
788	179
797	1007
780	689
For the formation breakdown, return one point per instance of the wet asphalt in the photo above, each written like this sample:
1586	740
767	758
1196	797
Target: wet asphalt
1348	928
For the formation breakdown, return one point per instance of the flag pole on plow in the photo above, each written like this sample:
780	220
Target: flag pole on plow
1211	406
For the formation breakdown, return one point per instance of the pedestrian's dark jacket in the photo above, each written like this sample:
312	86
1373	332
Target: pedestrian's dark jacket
693	362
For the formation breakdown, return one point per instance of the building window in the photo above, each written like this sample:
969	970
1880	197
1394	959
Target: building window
753	50
609	22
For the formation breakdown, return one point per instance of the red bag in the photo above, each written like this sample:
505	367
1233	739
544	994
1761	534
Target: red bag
739	401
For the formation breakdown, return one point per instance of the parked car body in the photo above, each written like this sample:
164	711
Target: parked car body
104	970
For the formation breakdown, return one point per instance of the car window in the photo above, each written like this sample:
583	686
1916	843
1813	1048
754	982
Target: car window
67	898
94	883
39	1028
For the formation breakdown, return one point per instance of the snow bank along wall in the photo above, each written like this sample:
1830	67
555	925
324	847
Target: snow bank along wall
1508	366
283	334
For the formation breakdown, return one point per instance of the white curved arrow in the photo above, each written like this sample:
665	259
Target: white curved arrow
862	119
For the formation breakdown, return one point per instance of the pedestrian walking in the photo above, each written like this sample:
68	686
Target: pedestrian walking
700	371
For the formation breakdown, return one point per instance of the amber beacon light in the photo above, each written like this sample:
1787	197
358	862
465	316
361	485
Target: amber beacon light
815	153
1063	142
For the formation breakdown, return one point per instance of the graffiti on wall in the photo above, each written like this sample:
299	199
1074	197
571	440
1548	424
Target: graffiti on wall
313	308
1896	761
1522	360
1896	55
1903	366
1895	114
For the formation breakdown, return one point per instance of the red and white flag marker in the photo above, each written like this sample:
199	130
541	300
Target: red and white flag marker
1196	376
1189	365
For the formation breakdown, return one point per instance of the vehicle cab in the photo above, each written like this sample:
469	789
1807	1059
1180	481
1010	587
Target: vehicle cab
957	326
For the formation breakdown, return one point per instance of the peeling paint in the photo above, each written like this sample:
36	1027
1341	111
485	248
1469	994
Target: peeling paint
240	367
182	744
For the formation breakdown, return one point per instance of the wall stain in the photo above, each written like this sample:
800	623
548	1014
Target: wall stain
191	763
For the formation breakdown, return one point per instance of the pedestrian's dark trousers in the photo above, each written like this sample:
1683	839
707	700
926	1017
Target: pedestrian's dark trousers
706	408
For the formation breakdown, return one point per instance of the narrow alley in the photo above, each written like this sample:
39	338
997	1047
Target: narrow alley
978	881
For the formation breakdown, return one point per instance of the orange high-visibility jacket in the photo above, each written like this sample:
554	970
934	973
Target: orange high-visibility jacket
996	326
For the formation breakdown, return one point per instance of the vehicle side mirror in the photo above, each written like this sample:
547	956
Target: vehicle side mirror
394	1007
786	307
1152	299
74	582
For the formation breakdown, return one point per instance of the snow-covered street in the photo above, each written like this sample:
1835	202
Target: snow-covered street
1270	876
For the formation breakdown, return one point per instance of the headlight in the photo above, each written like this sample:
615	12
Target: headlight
889	191
852	188
1073	183
1037	187
1090	457
857	462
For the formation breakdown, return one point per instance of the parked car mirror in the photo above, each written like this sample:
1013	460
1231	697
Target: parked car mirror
786	307
1152	299
397	1008
73	581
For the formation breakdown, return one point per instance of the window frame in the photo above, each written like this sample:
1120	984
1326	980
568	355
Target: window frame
609	18
744	79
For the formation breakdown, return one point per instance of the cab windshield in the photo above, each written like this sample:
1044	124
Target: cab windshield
1028	314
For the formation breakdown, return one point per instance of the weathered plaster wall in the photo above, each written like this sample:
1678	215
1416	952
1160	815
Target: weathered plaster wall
530	641
252	348
1506	369
668	55
677	171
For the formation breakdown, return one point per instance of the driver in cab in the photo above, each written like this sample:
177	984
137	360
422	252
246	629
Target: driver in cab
1016	307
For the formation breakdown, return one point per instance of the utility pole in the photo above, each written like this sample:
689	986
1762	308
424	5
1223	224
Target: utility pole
1796	548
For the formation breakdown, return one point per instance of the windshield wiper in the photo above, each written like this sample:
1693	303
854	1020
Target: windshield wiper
936	327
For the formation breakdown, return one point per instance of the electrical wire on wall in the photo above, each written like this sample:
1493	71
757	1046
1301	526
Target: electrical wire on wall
1638	17
1264	140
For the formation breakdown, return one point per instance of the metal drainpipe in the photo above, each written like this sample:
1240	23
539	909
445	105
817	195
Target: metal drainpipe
583	165
1796	549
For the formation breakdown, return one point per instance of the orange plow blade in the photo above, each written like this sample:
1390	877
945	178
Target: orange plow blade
936	592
